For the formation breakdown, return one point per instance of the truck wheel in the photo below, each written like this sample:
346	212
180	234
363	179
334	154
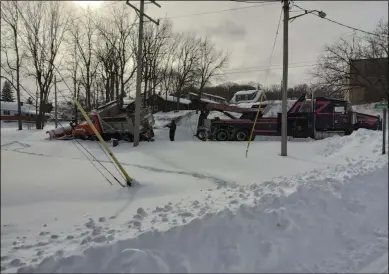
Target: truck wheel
222	135
242	135
79	136
106	138
201	134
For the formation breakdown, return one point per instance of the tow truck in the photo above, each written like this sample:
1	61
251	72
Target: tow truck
331	117
111	121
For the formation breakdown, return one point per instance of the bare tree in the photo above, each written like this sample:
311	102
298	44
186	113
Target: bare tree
125	47
338	70
210	63
72	61
187	60
157	48
83	33
45	24
10	46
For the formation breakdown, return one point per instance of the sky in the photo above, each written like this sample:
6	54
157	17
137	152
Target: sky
249	33
248	30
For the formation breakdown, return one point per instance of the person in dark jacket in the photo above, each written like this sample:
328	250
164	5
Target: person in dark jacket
172	131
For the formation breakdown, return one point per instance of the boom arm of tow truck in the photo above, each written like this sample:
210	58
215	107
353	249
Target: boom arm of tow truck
225	109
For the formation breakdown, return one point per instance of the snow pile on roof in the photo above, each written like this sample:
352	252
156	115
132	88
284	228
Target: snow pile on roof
171	98
209	101
128	101
208	94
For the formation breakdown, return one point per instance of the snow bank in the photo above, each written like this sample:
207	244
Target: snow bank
324	224
362	139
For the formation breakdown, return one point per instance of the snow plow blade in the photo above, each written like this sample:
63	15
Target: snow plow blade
61	133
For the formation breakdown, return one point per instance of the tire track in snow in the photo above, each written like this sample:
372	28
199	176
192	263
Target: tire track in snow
218	181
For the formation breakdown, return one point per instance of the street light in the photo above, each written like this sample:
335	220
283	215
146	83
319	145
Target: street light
284	117
321	14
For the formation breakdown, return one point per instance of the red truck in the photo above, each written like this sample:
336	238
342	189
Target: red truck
111	122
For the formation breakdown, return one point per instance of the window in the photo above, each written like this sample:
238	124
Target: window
340	108
245	97
6	112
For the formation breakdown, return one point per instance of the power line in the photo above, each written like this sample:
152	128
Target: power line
338	23
255	70
220	11
265	66
274	46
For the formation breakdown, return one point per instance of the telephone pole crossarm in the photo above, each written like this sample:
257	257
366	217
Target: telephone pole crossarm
144	14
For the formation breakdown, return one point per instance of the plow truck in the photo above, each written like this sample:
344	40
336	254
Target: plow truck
111	121
317	119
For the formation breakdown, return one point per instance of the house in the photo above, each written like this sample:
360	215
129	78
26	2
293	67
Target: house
368	81
246	96
207	98
167	103
11	109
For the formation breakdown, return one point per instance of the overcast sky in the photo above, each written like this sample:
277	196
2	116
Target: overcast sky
249	33
248	30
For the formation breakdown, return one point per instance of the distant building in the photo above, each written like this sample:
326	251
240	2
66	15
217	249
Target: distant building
246	96
167	103
368	81
11	109
207	98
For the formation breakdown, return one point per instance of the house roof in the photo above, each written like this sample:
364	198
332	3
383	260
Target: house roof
174	99
210	95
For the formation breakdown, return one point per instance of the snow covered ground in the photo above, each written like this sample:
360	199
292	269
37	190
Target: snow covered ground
200	206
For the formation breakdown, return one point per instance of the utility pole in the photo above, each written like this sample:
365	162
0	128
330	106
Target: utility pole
284	119
139	65
55	102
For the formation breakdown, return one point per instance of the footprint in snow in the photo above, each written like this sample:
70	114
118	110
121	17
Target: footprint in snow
168	207
102	219
86	240
44	233
141	212
186	214
16	262
90	223
99	239
135	224
96	231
